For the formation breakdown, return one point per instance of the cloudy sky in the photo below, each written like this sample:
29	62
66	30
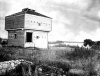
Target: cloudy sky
73	20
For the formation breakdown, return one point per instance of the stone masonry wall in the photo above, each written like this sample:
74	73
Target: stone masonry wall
8	65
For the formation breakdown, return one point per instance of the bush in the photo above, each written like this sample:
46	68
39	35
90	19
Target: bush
6	54
4	43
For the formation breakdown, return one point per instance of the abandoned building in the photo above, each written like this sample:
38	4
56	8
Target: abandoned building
28	28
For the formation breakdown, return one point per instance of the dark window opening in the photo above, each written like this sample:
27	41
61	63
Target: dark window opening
29	37
15	35
37	37
39	24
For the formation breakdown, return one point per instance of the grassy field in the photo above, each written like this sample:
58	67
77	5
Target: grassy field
87	60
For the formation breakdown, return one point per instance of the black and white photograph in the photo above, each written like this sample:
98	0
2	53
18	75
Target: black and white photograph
49	37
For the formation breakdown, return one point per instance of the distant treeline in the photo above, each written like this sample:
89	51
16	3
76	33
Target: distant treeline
59	42
91	43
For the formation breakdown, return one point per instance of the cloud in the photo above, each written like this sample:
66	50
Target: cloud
82	20
4	9
3	33
92	12
74	4
94	35
72	19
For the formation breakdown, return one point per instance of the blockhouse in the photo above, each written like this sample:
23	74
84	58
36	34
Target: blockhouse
28	28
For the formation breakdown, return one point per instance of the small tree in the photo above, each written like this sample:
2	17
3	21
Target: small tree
88	42
4	43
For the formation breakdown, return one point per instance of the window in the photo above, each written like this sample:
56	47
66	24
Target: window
37	37
28	36
15	36
39	24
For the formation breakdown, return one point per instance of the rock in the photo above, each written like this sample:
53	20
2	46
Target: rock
0	66
4	65
76	71
7	66
12	65
3	70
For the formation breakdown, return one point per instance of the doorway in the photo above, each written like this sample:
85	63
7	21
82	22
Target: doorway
28	36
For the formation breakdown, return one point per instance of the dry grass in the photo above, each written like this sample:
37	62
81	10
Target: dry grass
80	58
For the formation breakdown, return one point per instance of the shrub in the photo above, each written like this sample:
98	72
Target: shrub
6	54
4	43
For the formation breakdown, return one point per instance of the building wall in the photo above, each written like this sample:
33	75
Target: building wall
37	22
39	39
14	21
17	40
42	40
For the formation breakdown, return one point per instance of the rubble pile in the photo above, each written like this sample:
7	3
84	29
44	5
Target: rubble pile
27	68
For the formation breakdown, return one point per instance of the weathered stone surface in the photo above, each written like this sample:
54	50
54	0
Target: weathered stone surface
4	65
3	70
12	64
9	65
0	66
76	71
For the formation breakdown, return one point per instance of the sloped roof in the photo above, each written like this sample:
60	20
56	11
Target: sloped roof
30	11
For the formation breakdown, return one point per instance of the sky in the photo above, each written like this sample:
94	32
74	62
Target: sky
72	20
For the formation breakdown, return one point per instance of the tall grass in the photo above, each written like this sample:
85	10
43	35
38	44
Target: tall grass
85	59
13	53
80	58
80	53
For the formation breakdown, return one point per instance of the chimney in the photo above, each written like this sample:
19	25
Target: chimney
27	9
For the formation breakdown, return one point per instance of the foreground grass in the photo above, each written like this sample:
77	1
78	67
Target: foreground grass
81	58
